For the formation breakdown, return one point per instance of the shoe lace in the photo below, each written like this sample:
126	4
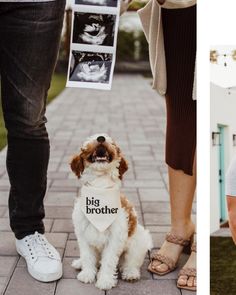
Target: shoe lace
38	246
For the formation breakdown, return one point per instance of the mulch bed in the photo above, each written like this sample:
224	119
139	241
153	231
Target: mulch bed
223	266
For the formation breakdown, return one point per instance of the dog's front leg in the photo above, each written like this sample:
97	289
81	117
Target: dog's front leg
88	258
107	275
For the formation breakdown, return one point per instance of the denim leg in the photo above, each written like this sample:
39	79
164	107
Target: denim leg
30	36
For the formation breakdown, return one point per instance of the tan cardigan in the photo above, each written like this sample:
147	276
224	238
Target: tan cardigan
150	17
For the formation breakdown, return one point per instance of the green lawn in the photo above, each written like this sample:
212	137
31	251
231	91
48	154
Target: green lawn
137	4
57	85
223	266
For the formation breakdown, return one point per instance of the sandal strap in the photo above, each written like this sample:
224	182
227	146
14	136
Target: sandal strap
190	272
194	247
175	239
164	259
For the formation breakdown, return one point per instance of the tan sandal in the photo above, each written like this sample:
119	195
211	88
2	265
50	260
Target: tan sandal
155	255
188	272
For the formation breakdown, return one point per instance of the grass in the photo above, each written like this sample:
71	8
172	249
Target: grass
57	85
137	4
223	266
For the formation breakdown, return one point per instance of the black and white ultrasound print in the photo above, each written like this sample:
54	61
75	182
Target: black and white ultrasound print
94	29
109	3
90	67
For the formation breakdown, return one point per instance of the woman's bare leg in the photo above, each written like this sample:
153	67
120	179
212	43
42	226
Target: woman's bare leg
231	197
231	202
181	189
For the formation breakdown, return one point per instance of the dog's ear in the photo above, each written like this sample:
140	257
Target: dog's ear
123	167
77	165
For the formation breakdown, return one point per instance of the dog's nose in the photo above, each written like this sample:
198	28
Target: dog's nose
101	139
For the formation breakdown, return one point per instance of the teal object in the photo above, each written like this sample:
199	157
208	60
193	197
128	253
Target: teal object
223	214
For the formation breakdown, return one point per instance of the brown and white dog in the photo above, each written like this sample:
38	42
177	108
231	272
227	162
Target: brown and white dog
124	243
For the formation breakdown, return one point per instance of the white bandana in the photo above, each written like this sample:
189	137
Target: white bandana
100	205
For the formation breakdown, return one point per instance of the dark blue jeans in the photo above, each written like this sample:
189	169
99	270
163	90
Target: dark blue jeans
29	42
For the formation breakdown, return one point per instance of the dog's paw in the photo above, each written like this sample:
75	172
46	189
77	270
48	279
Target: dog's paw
132	274
106	282
86	277
77	264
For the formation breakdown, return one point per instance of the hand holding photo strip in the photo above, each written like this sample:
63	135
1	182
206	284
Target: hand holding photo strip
93	44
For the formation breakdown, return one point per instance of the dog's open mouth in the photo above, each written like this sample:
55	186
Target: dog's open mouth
101	155
101	159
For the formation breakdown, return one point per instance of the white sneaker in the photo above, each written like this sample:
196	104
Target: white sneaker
42	259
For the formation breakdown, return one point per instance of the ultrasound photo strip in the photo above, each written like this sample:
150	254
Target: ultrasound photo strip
93	44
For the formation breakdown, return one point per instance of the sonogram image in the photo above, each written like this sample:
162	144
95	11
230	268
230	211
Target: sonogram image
94	29
90	67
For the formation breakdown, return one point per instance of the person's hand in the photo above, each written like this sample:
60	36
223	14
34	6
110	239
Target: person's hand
124	4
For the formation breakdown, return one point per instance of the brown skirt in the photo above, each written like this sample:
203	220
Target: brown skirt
179	28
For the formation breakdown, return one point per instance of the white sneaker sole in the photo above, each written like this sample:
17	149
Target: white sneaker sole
46	278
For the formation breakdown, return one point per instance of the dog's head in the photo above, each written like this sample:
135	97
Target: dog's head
100	153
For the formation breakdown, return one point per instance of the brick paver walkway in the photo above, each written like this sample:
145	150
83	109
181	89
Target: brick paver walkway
134	115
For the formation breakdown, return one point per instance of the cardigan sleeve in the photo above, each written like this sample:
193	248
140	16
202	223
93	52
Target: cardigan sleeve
145	17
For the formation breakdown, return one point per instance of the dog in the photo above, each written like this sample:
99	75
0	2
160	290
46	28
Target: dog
123	244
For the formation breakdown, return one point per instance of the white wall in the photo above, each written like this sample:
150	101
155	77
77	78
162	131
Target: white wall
223	111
